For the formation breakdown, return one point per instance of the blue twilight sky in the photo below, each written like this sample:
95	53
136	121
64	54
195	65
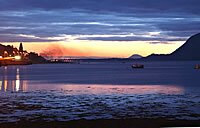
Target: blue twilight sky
150	21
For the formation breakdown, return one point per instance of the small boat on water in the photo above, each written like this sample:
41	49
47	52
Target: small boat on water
197	66
138	66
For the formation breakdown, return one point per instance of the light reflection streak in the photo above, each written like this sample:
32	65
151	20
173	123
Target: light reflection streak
12	84
17	83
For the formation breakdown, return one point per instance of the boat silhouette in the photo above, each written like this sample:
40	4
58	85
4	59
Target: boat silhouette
137	66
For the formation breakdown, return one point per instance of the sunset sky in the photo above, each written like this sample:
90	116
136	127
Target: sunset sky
93	28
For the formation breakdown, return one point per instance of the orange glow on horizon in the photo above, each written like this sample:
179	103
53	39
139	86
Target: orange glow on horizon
84	48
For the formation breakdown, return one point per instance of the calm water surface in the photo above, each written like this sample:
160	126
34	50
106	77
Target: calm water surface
100	90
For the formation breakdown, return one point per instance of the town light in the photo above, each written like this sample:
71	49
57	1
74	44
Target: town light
17	57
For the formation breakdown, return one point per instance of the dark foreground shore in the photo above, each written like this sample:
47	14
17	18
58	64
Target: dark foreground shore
126	123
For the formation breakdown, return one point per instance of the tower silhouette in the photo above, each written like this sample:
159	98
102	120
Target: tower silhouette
21	47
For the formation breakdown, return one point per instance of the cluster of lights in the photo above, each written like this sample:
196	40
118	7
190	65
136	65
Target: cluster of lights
17	57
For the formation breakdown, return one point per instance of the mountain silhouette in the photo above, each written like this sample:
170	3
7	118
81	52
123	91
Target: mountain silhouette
188	51
135	56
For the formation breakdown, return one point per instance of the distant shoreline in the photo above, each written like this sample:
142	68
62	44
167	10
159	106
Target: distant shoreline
103	123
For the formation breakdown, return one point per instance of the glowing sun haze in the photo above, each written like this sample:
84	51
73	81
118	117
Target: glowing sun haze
87	28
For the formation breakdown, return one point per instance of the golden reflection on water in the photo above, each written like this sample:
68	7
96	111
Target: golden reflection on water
14	84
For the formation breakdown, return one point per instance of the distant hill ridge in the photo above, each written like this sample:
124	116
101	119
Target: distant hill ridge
188	51
136	56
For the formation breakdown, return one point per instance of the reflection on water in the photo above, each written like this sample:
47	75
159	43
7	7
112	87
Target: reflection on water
77	89
14	84
72	92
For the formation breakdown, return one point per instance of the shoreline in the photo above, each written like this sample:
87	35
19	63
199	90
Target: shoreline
104	123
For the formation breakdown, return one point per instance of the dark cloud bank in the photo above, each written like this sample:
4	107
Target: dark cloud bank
175	20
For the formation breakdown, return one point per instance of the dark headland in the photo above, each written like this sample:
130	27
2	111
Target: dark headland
9	53
190	50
